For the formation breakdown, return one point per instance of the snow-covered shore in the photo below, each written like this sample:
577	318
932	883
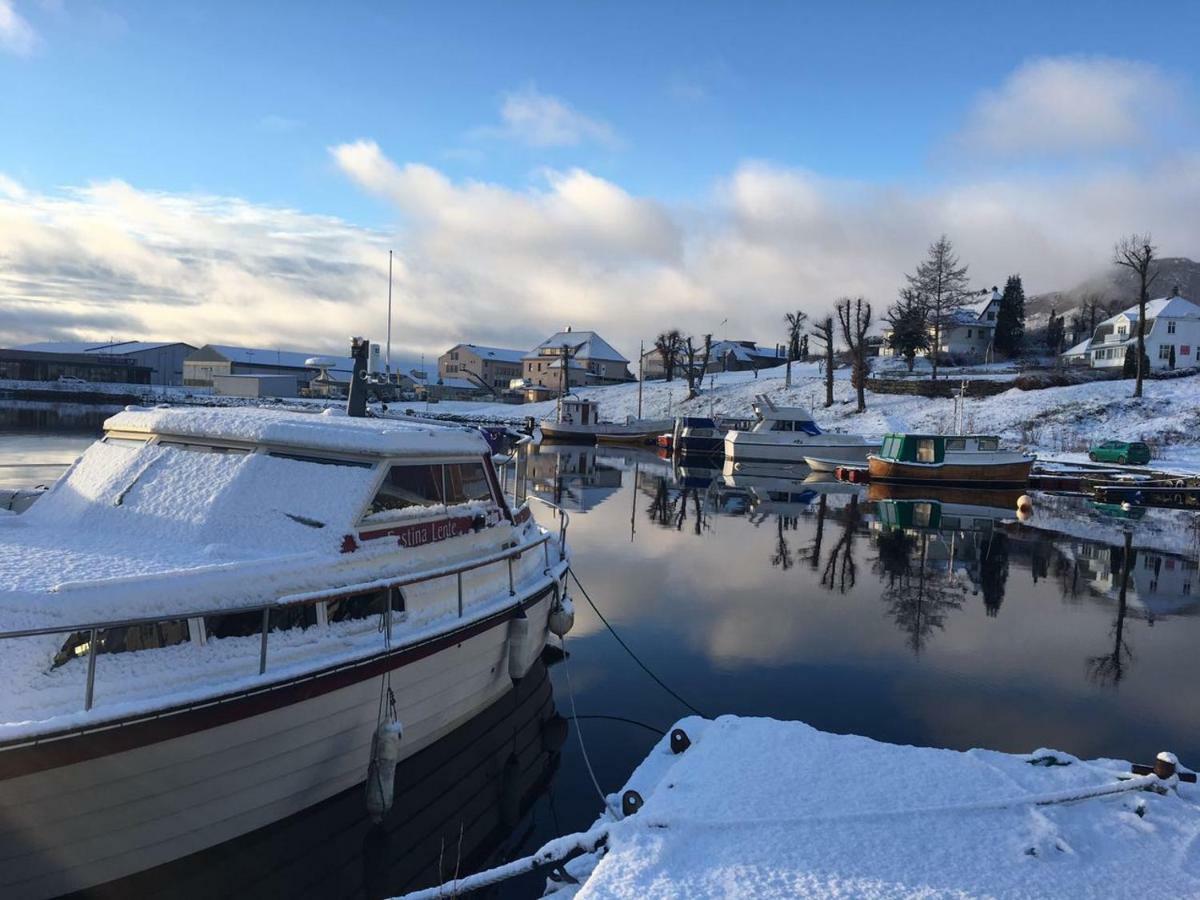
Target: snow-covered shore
762	808
1049	421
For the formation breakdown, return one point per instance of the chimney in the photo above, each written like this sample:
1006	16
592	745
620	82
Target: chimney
567	329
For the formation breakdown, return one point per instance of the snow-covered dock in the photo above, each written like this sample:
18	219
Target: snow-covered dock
762	808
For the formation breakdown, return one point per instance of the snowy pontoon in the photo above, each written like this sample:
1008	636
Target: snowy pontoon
788	435
219	617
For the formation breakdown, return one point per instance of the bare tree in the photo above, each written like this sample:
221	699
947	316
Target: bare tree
855	318
795	327
669	345
1109	668
841	569
823	332
942	282
694	372
1136	254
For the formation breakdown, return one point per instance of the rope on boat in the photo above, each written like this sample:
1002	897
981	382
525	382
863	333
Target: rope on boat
629	650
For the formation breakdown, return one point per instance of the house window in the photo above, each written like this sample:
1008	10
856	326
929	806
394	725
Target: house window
1170	328
1164	351
968	332
1187	587
991	316
1185	350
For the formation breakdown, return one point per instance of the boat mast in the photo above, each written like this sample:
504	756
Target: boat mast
641	359
566	358
387	353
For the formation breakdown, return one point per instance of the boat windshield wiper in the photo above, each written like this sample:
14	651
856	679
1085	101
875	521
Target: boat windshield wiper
305	520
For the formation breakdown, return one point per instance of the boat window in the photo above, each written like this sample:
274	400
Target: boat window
249	622
364	605
782	425
956	443
989	443
204	448
467	481
409	486
925	451
950	523
922	514
124	639
323	460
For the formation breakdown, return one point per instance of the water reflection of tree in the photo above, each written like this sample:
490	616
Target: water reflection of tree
840	567
917	602
669	509
993	572
813	552
782	557
1109	668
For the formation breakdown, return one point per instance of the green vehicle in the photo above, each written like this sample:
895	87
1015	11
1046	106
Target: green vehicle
1132	452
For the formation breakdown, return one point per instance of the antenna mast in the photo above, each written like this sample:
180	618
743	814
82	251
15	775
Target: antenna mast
388	352
641	363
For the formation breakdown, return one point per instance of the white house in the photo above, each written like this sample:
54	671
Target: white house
1172	323
967	332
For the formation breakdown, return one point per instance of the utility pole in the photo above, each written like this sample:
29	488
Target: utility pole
566	382
641	362
387	356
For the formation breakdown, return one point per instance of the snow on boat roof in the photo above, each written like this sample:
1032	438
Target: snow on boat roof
763	808
314	431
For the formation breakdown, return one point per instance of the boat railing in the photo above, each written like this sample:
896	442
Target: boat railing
511	555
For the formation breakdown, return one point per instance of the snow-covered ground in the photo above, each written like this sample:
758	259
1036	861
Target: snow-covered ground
1049	421
761	808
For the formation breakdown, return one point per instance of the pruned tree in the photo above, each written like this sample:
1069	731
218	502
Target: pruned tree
855	318
804	347
669	345
695	373
942	282
795	326
823	332
909	326
1010	318
1137	254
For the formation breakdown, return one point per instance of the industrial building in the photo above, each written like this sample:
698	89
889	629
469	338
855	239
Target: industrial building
121	362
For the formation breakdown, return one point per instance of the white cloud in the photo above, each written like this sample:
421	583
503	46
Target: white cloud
540	120
503	265
1062	105
16	34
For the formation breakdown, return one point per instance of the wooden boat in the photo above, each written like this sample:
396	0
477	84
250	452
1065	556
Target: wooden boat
578	422
951	460
208	620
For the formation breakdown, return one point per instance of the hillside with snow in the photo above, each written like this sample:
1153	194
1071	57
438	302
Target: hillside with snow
1054	420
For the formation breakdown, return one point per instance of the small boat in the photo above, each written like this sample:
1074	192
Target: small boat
788	435
218	617
963	460
578	422
697	436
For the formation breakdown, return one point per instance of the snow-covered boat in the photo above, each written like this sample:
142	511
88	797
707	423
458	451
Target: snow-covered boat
214	617
788	435
578	421
962	460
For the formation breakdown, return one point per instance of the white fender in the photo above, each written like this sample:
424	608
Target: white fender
520	642
562	617
381	773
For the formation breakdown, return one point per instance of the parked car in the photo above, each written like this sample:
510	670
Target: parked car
1133	452
67	379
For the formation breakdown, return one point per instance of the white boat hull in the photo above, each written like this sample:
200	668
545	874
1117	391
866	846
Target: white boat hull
75	826
638	428
769	447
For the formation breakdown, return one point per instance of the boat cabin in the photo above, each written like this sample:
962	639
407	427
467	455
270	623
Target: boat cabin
574	411
932	448
784	418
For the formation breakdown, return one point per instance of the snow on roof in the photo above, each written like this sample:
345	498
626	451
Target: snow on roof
116	348
1163	307
503	354
1079	349
586	344
315	431
765	809
293	359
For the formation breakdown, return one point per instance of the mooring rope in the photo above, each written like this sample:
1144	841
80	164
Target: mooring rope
629	650
579	734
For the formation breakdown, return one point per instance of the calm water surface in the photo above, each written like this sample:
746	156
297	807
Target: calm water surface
911	618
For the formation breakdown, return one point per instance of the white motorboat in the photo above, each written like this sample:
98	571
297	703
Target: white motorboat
578	421
218	617
788	435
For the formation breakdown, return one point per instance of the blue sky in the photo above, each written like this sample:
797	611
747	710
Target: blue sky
667	102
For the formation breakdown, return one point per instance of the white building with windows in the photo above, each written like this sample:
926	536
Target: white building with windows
592	360
1172	325
966	333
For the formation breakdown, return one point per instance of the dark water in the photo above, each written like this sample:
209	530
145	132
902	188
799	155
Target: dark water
911	618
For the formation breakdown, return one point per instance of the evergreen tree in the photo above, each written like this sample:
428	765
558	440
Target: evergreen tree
1010	318
1171	359
943	285
1054	333
1130	368
910	328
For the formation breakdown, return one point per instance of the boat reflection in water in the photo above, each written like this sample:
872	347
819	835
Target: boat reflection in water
461	805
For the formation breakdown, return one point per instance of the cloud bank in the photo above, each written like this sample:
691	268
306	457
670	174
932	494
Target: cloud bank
494	264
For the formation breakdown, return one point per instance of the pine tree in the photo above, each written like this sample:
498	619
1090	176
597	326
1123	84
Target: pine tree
1130	368
942	282
1054	333
1010	318
910	330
